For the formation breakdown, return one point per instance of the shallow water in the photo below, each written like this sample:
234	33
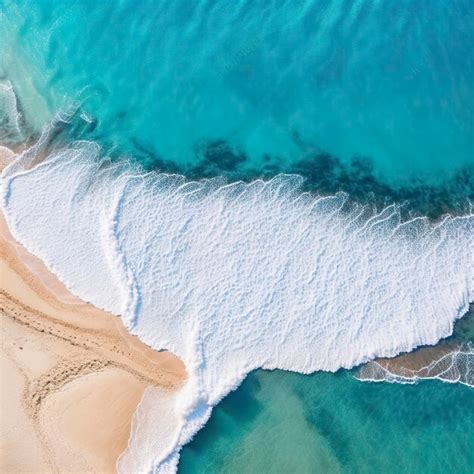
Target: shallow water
372	98
283	422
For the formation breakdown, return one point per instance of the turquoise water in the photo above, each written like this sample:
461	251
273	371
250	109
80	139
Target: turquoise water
283	422
365	96
277	82
332	423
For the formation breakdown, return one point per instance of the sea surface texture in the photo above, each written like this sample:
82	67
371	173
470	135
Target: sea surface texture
259	185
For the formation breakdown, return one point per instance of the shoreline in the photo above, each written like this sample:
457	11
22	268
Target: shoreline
72	375
75	375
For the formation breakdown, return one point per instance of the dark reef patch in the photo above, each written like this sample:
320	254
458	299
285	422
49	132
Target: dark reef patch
326	174
216	158
323	173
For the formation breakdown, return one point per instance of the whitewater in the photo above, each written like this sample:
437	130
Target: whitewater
232	277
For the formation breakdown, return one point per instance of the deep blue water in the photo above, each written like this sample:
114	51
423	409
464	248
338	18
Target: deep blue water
371	97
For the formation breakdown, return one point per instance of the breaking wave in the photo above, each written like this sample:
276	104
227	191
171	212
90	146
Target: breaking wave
232	277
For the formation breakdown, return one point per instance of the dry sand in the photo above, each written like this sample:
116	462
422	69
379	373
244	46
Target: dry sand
72	376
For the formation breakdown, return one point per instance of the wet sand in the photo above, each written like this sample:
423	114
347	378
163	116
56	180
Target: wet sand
450	360
72	376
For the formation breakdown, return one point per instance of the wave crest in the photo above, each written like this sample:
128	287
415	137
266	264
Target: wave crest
238	276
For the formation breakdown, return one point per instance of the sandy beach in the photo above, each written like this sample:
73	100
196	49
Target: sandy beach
72	376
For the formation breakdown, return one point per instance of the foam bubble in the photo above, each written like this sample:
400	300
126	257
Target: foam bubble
235	277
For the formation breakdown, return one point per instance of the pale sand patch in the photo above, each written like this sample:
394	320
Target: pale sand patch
72	375
6	155
416	361
79	418
21	449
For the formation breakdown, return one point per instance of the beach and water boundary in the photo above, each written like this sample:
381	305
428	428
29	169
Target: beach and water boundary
270	140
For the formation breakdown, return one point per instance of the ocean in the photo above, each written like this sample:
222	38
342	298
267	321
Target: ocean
259	185
332	423
283	422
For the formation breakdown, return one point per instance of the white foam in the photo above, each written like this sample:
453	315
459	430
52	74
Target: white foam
156	409
236	277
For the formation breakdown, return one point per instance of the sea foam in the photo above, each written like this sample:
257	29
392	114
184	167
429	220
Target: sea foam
232	277
453	366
